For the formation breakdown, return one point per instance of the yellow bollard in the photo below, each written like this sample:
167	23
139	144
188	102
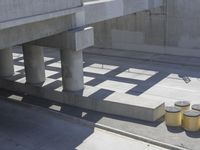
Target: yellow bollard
184	105
173	116
196	107
191	120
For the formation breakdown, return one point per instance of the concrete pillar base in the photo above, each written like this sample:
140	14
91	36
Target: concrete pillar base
34	64
72	70
6	63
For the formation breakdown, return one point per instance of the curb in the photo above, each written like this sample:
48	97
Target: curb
140	138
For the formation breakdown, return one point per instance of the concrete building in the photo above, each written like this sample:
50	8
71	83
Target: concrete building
171	29
63	25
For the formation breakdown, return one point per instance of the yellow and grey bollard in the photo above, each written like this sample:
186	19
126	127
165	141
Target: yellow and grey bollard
191	120
183	105
173	116
196	107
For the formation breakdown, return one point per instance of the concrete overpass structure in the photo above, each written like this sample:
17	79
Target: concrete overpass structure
63	24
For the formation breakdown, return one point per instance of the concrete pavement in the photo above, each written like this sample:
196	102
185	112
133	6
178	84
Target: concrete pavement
141	76
26	127
119	81
105	88
183	80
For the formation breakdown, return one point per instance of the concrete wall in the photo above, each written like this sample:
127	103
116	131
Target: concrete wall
171	29
12	9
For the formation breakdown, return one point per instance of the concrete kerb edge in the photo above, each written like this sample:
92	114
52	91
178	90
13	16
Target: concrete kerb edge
138	137
120	132
100	126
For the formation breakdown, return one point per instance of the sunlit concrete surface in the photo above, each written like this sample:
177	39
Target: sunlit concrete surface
102	90
164	78
25	127
143	80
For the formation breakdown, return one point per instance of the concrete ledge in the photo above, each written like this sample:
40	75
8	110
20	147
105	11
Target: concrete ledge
127	106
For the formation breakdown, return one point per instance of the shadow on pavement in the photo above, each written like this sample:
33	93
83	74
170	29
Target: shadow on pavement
24	128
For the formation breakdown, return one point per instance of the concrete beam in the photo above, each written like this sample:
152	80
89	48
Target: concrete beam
15	9
34	64
77	39
6	63
33	31
96	11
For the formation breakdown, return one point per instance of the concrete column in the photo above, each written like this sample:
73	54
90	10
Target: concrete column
6	63
34	64
72	70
